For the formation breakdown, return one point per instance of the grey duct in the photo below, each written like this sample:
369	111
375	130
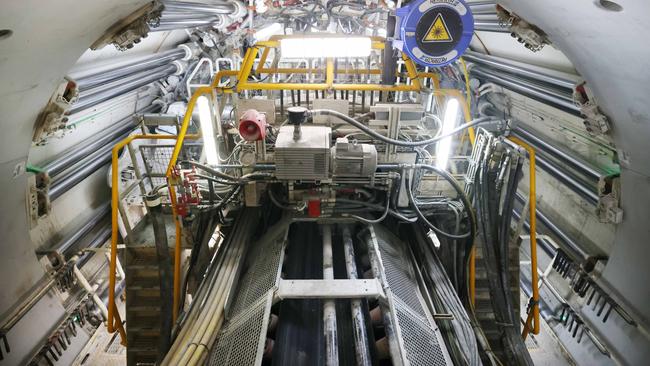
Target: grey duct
71	239
215	7
160	59
108	136
181	15
525	89
102	236
512	67
531	84
88	166
540	144
576	186
571	246
91	99
74	177
490	26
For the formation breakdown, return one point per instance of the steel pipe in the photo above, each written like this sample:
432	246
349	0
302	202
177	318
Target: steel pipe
71	239
90	81
216	7
512	67
362	352
533	85
107	136
571	245
579	165
488	26
94	99
525	89
329	306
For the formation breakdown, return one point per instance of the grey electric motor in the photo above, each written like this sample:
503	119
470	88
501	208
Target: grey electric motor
350	159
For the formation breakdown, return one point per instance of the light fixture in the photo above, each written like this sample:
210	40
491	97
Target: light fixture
448	123
310	47
268	31
207	131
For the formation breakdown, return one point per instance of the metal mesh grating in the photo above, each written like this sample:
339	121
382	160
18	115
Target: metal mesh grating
399	276
242	339
156	158
261	275
421	341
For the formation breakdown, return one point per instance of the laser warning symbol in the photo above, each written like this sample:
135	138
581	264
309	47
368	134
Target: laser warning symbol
438	31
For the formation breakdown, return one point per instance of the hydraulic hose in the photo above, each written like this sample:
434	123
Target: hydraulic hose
414	205
461	194
380	218
388	140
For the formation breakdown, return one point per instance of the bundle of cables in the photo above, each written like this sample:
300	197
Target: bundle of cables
500	168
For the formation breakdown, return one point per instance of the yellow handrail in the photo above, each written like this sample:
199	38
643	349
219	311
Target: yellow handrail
113	314
533	313
243	84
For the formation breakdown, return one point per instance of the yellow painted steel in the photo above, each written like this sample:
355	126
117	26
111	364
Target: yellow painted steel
114	321
297	70
260	65
533	313
244	84
182	133
113	315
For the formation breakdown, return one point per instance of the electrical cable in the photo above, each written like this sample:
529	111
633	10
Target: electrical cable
379	219
454	183
375	207
378	136
414	205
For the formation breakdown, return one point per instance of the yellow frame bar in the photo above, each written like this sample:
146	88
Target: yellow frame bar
113	314
533	314
243	84
114	321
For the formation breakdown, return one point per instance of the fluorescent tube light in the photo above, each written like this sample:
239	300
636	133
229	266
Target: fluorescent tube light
448	124
207	131
325	47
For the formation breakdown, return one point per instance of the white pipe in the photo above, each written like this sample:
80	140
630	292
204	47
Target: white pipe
329	306
89	289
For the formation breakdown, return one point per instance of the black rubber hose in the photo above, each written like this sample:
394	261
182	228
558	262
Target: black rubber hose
461	194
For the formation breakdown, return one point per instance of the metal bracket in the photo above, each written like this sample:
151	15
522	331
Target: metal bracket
329	289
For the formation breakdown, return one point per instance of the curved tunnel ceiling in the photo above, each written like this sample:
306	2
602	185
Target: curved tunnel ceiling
610	50
47	39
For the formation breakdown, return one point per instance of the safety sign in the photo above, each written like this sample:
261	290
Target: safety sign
434	32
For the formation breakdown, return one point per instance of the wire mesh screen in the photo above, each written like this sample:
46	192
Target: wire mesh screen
241	340
421	338
156	158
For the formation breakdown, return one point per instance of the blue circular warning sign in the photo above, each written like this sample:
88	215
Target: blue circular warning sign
435	32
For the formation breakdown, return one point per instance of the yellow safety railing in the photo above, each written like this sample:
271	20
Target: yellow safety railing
114	321
532	319
244	84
